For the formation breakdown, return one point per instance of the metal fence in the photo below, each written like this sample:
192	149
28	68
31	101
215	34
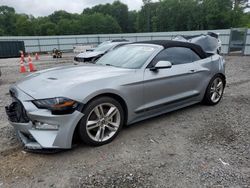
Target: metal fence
247	43
66	43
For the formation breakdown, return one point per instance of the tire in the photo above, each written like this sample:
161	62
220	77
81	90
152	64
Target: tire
100	131
214	91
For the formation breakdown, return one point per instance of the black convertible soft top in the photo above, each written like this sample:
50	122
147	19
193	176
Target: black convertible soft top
170	43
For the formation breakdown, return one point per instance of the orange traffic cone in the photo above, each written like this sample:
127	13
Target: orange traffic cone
37	57
31	66
22	56
22	67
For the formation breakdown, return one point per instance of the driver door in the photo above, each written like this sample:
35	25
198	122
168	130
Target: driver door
171	86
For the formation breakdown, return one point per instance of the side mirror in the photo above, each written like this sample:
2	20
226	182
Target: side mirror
162	65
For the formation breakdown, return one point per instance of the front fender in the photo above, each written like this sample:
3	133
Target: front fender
102	92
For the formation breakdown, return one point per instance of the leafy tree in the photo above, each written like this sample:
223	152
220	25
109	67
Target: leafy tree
164	15
1	32
240	3
120	13
59	15
246	20
145	17
117	10
132	16
24	25
64	27
99	23
7	20
146	1
47	28
173	15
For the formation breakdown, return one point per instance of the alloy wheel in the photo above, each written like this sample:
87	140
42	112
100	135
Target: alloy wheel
103	122
216	90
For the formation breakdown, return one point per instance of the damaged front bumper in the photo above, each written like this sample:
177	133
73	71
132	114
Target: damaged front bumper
22	131
56	131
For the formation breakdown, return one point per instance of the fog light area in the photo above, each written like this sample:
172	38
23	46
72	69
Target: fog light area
45	126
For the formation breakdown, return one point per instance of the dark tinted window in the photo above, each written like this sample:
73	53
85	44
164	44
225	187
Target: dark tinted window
176	55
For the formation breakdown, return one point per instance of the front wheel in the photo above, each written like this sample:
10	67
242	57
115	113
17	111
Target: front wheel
102	121
214	90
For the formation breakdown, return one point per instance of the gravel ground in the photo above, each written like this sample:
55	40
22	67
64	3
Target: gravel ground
198	146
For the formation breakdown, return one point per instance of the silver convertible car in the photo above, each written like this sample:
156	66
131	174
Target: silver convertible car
132	83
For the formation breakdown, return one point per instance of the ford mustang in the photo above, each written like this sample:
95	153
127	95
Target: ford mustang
132	83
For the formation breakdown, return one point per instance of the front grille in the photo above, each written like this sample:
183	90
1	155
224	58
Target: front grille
16	112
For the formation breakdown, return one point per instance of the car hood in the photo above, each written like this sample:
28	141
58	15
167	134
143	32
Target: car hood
58	81
90	54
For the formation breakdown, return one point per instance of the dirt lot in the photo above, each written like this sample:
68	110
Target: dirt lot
198	146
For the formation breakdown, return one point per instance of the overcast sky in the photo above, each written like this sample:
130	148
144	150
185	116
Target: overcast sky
46	7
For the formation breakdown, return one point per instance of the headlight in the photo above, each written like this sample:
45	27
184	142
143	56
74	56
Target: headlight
59	105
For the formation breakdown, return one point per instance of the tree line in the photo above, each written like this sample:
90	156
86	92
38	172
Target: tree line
164	15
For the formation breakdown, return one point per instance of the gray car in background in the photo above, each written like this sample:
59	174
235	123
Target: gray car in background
129	84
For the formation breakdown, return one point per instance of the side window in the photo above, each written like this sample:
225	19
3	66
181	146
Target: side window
164	55
194	56
176	55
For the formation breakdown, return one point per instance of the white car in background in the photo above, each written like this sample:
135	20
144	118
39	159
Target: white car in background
95	54
82	48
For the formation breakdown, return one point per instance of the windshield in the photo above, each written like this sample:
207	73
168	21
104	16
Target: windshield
104	47
128	56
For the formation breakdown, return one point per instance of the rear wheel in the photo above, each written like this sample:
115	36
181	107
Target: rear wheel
102	121
214	90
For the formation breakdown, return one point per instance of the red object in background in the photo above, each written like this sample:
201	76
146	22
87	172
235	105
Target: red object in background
31	66
22	67
22	56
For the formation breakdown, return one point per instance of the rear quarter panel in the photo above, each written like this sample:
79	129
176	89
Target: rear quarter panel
206	69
